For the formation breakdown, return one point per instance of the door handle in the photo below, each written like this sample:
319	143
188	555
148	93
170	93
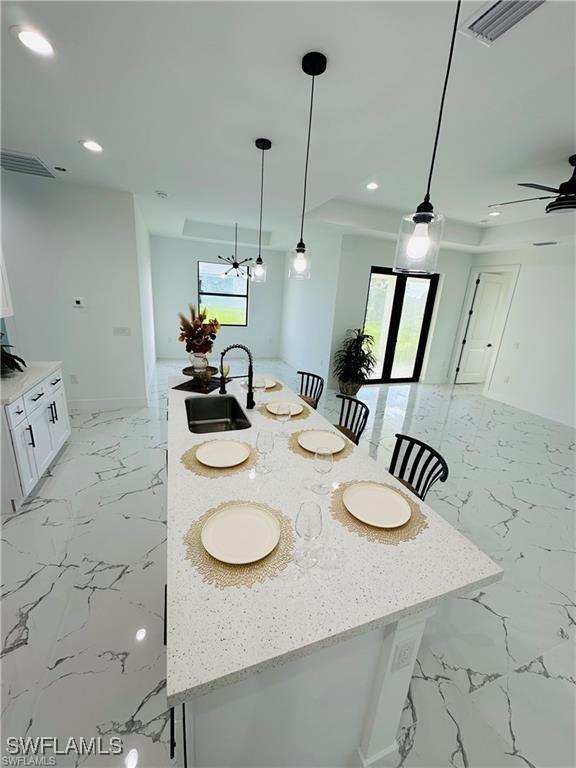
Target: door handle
33	443
38	396
53	417
55	410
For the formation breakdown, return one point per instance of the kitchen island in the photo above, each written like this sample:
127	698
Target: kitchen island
301	669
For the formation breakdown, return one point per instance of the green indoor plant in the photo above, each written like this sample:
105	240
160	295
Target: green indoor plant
10	363
354	361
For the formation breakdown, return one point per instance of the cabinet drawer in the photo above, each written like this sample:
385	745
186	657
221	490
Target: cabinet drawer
34	398
53	381
15	412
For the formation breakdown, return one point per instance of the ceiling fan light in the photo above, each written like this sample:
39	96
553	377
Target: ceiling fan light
418	243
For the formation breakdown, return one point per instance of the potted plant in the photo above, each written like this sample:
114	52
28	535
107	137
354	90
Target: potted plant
199	334
10	364
354	361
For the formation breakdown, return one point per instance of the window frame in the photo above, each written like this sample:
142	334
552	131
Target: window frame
245	296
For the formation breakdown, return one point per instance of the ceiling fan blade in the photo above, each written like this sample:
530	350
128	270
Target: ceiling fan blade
540	186
524	200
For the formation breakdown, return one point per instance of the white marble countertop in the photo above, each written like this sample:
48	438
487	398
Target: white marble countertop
217	636
12	387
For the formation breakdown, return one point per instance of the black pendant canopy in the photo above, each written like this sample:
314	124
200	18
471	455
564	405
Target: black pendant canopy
313	64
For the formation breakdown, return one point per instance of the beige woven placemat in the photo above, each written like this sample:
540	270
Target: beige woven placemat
296	448
191	462
263	410
406	532
223	575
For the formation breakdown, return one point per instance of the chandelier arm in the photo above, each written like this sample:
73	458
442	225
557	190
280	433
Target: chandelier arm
454	31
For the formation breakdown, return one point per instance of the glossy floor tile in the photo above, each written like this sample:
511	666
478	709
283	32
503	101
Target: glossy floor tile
83	566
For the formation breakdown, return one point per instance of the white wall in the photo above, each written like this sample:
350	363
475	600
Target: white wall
146	300
359	254
63	240
175	285
310	305
535	366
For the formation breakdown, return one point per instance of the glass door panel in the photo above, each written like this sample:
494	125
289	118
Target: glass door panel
410	327
378	313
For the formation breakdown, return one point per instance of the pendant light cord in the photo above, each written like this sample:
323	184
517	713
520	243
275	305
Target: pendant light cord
261	204
307	156
454	31
236	242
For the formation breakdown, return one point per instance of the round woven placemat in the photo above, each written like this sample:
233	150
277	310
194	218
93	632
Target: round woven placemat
223	575
296	448
406	532
191	462
263	410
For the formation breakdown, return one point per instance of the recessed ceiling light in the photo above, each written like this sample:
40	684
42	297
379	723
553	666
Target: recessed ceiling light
494	213
33	40
372	185
91	145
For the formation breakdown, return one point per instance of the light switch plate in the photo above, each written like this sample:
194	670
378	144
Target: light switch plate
403	655
121	331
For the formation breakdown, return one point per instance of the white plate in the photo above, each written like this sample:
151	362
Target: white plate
263	382
222	453
240	534
313	439
295	408
376	505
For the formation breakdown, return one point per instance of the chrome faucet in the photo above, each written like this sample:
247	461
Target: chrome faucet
250	397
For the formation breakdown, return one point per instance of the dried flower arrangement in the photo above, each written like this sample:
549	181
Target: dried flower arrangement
197	332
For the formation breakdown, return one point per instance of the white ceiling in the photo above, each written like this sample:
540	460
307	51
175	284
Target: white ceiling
177	92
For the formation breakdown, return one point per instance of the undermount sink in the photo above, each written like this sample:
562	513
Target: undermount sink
219	413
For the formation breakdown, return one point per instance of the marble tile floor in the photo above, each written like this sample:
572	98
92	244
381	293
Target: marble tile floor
83	566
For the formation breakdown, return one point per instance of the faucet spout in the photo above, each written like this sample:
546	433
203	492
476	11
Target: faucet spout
250	403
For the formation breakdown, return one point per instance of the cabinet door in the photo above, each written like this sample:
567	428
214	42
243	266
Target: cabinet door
25	459
42	438
60	423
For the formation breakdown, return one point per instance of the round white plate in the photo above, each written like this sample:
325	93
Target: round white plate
295	408
376	505
222	453
313	439
240	534
263	382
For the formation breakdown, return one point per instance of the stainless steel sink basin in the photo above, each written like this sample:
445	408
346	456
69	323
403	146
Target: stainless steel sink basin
219	413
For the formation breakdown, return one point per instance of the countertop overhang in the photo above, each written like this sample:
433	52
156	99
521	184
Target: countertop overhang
218	636
13	387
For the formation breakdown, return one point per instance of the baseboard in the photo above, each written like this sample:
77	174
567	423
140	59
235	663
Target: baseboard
107	404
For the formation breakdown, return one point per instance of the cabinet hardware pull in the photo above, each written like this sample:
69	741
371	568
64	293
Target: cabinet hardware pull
52	417
38	396
171	737
53	383
55	410
33	443
18	413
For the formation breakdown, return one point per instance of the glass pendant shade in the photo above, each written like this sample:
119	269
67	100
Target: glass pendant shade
419	243
299	265
259	271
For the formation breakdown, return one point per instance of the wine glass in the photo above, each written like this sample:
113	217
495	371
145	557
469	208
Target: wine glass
264	446
283	415
308	526
323	464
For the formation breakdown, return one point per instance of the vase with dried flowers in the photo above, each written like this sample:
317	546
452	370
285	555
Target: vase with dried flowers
199	334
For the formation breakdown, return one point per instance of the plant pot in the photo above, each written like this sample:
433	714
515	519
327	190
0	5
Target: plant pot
349	387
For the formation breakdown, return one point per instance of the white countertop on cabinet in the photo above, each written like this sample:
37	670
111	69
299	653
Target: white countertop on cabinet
13	387
218	636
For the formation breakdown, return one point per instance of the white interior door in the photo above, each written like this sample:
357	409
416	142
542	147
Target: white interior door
484	324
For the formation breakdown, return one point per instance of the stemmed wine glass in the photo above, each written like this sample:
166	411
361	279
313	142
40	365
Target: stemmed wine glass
264	446
323	464
308	527
283	414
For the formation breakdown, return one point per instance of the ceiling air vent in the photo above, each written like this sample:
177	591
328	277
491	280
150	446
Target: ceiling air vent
495	19
20	163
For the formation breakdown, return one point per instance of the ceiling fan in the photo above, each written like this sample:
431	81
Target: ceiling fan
564	197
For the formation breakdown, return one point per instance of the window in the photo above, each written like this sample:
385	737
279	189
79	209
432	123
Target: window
223	297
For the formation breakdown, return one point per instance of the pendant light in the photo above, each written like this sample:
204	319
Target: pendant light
420	232
236	269
259	271
313	64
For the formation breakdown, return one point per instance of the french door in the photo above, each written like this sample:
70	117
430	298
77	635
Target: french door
398	313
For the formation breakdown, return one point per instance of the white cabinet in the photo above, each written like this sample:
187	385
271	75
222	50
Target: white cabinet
38	425
24	454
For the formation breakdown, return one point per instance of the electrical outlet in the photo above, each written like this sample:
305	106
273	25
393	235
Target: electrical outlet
73	378
403	655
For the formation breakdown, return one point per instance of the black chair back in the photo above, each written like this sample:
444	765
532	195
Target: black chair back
353	417
311	387
417	465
